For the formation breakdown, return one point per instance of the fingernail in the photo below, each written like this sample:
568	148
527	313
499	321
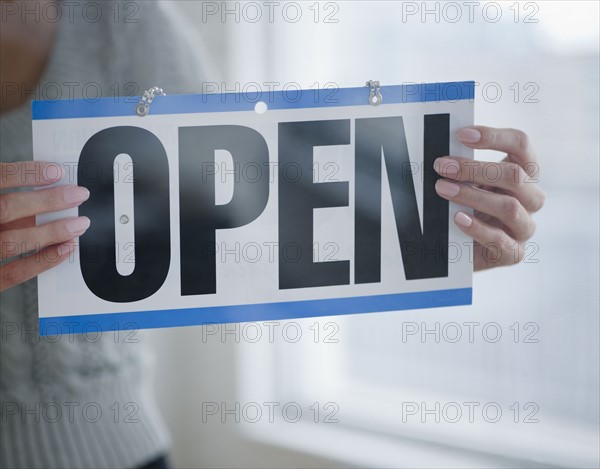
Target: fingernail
52	172
446	166
468	135
65	248
463	219
77	226
75	194
447	188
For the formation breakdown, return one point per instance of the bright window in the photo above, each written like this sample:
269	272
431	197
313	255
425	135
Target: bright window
528	347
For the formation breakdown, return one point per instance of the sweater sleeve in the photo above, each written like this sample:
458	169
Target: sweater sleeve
161	49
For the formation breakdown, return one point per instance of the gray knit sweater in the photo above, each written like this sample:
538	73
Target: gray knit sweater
72	401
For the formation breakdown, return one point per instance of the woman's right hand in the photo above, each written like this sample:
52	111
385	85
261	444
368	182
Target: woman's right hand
49	244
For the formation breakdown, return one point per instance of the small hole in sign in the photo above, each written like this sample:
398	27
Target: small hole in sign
260	107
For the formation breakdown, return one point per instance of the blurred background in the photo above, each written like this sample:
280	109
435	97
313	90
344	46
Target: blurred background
512	381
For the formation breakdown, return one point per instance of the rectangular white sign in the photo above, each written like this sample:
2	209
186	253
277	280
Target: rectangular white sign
244	207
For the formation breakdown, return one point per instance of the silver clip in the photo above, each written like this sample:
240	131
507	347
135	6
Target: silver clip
375	98
143	107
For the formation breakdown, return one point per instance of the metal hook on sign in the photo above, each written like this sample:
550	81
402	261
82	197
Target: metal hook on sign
143	107
375	98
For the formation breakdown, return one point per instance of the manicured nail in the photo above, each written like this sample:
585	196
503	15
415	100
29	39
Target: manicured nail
463	219
75	194
65	248
77	226
447	188
52	172
468	135
446	166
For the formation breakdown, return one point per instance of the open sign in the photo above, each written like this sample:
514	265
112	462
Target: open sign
205	211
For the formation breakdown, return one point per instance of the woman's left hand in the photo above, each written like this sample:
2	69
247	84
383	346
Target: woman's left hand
503	195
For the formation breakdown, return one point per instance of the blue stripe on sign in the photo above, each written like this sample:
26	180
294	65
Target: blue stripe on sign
282	99
254	312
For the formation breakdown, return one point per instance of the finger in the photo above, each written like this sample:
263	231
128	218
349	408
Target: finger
14	242
29	174
509	177
515	143
505	208
21	270
23	204
496	247
26	222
